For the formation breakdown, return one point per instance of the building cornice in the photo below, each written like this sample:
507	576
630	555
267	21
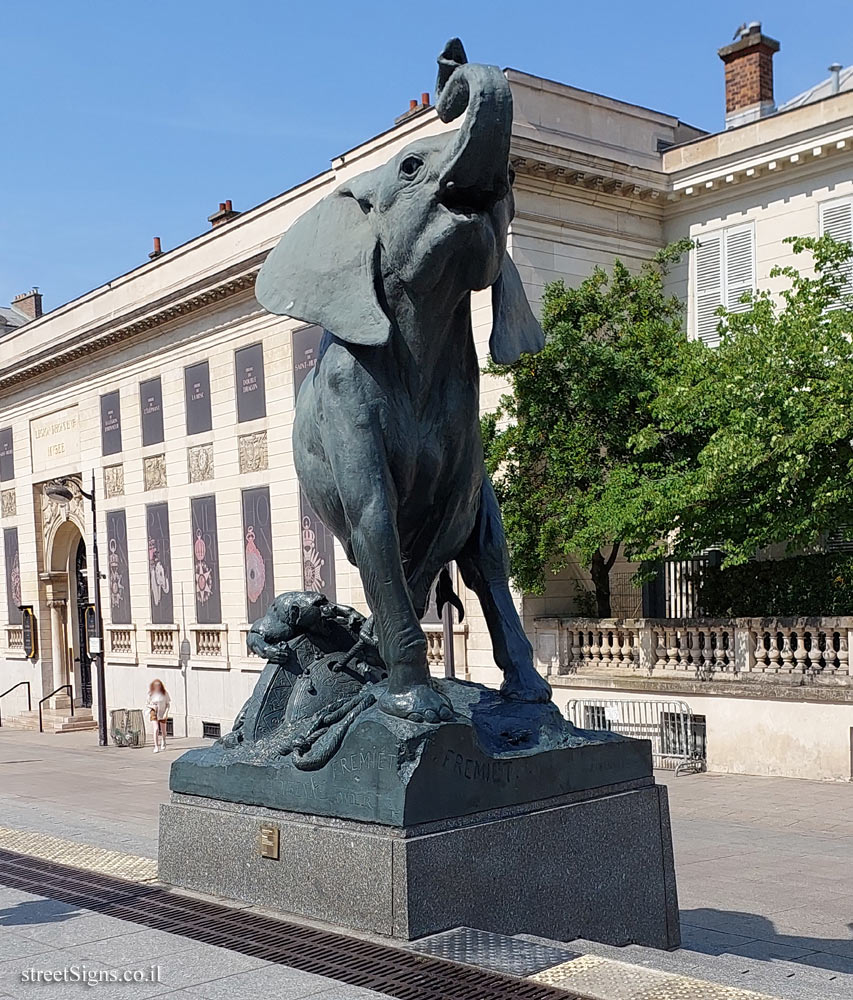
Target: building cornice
226	284
724	173
590	172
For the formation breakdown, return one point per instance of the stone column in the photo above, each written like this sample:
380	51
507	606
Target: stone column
56	588
57	601
58	619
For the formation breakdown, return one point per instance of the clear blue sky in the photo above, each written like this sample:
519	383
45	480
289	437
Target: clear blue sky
121	121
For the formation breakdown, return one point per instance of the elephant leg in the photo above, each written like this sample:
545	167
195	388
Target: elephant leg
369	504
402	643
484	564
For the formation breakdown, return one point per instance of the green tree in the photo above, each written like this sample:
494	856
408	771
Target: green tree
561	445
771	412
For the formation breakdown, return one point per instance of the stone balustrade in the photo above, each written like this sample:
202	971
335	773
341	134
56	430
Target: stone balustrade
435	648
121	640
15	638
162	641
802	649
209	641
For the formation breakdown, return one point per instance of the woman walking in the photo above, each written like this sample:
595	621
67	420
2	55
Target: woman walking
158	709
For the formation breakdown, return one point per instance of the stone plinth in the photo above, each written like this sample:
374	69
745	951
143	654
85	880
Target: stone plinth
596	863
495	753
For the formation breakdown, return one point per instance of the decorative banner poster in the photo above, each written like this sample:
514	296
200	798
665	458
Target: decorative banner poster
208	606
117	568
151	401
318	543
251	392
13	575
159	564
197	398
257	535
110	423
7	456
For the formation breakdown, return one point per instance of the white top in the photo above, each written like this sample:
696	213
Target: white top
160	703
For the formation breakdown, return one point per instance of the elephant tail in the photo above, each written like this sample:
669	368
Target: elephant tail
445	594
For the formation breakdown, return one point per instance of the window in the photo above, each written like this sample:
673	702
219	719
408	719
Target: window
208	604
595	717
13	576
251	396
159	563
110	423
836	220
211	730
257	532
119	570
151	401
197	397
841	539
306	348
683	735
7	456
725	270
318	543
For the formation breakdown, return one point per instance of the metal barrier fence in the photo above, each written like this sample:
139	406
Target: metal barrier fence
677	737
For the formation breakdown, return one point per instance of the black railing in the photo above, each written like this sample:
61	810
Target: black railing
62	687
13	688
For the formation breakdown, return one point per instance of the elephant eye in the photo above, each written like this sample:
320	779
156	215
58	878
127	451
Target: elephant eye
410	166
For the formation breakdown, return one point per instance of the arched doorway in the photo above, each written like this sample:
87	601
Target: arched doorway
82	660
67	596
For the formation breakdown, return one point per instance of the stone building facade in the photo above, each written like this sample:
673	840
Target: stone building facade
176	390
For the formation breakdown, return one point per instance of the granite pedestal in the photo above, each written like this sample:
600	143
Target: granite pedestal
595	863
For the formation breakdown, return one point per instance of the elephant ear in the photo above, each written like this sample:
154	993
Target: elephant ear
515	330
323	271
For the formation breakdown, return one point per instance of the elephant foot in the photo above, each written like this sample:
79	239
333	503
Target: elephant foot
419	703
526	685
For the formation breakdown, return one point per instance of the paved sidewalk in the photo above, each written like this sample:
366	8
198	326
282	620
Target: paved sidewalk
764	865
45	935
66	785
765	868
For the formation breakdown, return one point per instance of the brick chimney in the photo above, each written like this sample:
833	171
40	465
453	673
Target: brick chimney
749	75
28	304
414	108
224	214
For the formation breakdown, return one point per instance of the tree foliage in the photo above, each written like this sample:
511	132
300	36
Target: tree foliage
772	409
807	586
560	447
622	433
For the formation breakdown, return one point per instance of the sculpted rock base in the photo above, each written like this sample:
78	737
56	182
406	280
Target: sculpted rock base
494	753
505	817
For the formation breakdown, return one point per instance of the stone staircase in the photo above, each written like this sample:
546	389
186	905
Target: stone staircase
56	720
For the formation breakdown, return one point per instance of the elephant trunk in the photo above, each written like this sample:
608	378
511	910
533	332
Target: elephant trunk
476	171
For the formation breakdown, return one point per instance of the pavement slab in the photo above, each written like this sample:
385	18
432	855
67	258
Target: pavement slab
764	867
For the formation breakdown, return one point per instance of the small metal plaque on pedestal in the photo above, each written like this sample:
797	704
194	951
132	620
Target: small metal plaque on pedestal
269	842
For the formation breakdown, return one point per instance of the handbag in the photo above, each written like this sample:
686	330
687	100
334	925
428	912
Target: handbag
153	715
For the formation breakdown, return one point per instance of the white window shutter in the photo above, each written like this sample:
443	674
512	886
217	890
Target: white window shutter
709	288
740	267
836	220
